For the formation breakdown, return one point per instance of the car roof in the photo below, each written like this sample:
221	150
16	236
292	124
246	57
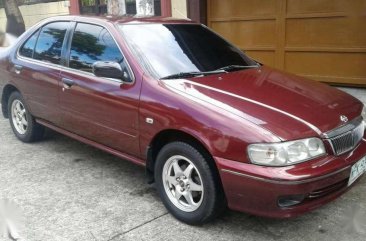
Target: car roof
121	19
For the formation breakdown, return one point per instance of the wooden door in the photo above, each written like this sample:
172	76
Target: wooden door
323	40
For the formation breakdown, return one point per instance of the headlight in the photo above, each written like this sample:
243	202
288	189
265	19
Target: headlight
286	153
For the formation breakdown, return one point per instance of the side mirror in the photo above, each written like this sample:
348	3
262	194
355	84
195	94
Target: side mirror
109	69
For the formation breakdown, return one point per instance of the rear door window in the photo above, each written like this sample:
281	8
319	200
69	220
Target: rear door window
50	41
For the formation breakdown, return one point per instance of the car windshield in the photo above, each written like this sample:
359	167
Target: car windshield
171	49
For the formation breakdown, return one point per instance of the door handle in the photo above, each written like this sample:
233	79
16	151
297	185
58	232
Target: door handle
18	69
67	83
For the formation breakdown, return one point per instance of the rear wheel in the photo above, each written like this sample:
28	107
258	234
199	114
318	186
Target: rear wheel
22	122
187	184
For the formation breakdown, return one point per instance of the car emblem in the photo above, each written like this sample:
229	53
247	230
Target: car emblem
344	118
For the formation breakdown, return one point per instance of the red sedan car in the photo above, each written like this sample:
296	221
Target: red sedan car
212	127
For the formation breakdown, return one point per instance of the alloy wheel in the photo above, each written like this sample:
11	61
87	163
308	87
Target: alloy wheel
19	117
183	183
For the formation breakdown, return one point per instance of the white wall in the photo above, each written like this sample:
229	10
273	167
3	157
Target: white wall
36	12
179	8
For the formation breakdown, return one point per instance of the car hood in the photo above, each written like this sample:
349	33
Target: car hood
289	106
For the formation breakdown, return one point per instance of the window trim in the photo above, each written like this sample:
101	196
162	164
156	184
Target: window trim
68	52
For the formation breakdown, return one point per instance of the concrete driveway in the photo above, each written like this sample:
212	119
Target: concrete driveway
70	191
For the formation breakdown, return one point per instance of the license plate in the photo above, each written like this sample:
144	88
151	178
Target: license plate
357	170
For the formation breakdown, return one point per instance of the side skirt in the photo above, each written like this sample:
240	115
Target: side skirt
93	143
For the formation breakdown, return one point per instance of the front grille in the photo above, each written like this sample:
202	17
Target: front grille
348	140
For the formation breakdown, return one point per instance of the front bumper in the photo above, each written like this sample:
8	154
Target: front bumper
256	189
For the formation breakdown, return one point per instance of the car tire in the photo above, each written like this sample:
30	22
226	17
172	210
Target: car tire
22	122
187	184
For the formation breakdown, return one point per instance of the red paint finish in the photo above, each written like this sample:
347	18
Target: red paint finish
122	155
269	98
74	7
166	8
40	85
225	112
256	189
101	110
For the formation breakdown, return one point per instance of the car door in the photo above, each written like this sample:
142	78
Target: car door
100	109
37	68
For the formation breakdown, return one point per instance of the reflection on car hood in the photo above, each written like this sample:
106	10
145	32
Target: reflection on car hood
287	105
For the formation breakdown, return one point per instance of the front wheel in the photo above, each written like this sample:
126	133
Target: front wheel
22	122
188	186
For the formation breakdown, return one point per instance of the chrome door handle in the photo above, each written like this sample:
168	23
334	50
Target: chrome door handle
67	83
18	69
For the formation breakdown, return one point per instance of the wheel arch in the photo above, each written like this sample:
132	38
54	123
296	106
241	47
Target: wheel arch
170	135
7	91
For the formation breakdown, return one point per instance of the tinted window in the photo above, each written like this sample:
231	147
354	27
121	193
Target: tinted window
166	49
28	47
50	40
92	43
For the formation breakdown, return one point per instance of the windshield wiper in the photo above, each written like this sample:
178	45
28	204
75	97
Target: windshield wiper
218	71
238	67
193	74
